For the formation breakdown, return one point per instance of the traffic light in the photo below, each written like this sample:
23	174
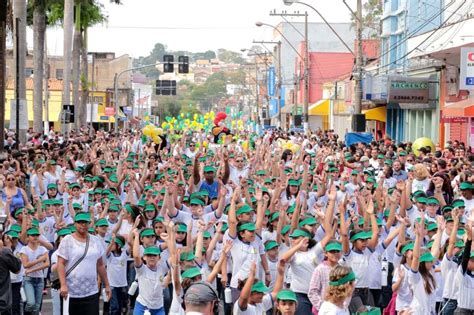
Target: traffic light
168	66
165	87
183	66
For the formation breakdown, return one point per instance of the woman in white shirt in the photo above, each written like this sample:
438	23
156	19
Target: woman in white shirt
421	278
34	259
341	286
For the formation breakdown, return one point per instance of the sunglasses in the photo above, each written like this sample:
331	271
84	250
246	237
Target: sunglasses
10	179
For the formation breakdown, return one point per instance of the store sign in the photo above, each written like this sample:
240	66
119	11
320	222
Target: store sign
455	120
408	90
109	111
466	77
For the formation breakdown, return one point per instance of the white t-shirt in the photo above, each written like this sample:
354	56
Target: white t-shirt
420	185
302	265
422	303
17	277
236	174
242	256
257	309
47	228
359	261
82	281
404	294
117	269
32	255
150	284
466	289
327	308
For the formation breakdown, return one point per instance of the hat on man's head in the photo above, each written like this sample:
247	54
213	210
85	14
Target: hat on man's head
200	292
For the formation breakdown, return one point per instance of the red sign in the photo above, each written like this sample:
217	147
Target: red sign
470	56
109	111
454	120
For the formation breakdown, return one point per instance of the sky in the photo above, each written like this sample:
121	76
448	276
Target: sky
136	26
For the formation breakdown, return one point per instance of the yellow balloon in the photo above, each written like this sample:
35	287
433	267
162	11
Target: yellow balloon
164	125
156	139
205	144
245	145
147	131
422	143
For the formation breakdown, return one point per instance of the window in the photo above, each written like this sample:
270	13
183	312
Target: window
59	74
28	72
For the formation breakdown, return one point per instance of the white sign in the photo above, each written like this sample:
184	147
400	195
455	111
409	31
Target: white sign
466	78
23	115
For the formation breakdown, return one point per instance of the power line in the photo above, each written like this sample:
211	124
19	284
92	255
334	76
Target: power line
427	38
185	28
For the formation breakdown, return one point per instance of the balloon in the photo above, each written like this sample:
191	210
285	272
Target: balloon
156	139
147	131
245	145
422	143
164	125
205	144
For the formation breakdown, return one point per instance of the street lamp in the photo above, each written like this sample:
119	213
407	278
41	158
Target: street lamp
306	68
290	2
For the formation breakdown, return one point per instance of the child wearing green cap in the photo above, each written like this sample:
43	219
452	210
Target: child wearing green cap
254	297
35	260
116	257
421	276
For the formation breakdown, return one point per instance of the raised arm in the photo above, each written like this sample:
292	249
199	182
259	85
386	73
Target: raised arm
247	289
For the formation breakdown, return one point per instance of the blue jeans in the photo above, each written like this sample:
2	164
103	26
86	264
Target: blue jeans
118	300
304	306
449	306
140	310
34	293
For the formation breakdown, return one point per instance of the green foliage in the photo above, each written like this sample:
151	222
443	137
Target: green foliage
229	56
372	11
91	12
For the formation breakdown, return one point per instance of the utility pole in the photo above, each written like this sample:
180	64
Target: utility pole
306	76
305	66
357	100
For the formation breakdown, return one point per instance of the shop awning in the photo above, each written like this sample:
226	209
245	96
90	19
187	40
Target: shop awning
377	113
461	108
320	108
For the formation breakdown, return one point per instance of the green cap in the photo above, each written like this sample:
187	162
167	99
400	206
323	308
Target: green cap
141	203
285	229
407	247
12	234
147	232
291	208
244	209
249	226
333	170
261	173
150	207
421	200
308	221
446	208
76	205
426	257
209	169
465	186
432	201
158	219
293	182
300	233
187	256
274	216
52	186
355	172
458	203
191	273
380	156
333	246
63	232
101	222
432	227
32	231
74	185
152	250
182	228
371	180
206	234
459	244
16	228
259	287
361	235
286	295
196	202
82	216
113	208
270	245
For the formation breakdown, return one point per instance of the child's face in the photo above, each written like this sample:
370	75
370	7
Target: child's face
273	253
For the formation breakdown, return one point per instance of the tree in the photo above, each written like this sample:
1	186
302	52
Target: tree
229	56
372	11
5	12
67	53
19	11
39	8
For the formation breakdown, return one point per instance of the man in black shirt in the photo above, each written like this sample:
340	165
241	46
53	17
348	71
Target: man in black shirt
8	263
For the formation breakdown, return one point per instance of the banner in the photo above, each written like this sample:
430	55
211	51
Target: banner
466	77
271	81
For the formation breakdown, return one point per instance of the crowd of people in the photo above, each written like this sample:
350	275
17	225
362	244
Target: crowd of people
276	223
